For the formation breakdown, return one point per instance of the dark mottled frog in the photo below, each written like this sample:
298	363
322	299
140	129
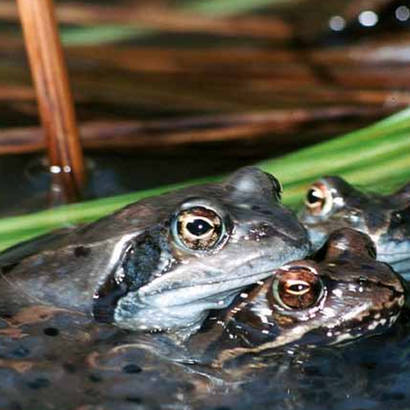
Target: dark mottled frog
163	262
345	295
332	203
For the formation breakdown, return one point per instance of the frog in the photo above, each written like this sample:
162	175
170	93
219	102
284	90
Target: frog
332	203
162	263
71	361
342	293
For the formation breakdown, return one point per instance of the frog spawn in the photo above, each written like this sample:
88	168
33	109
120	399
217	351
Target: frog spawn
52	362
69	361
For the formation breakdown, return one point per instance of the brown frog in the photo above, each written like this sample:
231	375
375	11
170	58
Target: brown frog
162	263
341	295
332	203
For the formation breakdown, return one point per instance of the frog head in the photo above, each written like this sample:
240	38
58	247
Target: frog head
200	246
341	295
332	203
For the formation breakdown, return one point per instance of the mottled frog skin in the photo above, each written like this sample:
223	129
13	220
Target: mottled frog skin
161	263
332	203
342	295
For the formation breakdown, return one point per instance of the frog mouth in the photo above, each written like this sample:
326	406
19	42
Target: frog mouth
179	298
214	293
184	307
212	285
203	295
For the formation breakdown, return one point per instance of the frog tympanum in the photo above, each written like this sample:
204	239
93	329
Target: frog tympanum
332	203
342	295
161	263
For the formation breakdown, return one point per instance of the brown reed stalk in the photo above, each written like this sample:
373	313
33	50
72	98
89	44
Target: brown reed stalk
54	98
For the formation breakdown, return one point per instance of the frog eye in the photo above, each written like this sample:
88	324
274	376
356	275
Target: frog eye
297	288
198	229
319	199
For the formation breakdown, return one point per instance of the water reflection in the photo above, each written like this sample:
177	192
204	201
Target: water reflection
368	18
337	23
402	13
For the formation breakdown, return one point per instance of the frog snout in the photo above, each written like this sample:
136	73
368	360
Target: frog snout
295	236
298	235
287	225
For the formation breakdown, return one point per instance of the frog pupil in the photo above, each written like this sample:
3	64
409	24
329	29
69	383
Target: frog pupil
313	196
298	288
198	227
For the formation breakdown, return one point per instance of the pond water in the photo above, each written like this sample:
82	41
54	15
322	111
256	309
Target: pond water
27	187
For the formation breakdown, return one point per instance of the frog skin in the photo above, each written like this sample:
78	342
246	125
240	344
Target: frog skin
342	295
332	203
161	263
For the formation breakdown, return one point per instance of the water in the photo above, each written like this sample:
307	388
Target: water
26	189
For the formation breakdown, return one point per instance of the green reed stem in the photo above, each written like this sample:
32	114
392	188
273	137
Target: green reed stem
377	157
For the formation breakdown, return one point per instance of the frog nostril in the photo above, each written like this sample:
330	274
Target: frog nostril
81	251
51	331
131	368
367	267
39	383
396	217
95	378
261	231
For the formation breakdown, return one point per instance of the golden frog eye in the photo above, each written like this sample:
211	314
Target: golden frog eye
319	200
297	288
198	228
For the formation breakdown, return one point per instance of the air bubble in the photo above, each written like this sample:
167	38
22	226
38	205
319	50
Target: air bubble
337	23
368	18
402	13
